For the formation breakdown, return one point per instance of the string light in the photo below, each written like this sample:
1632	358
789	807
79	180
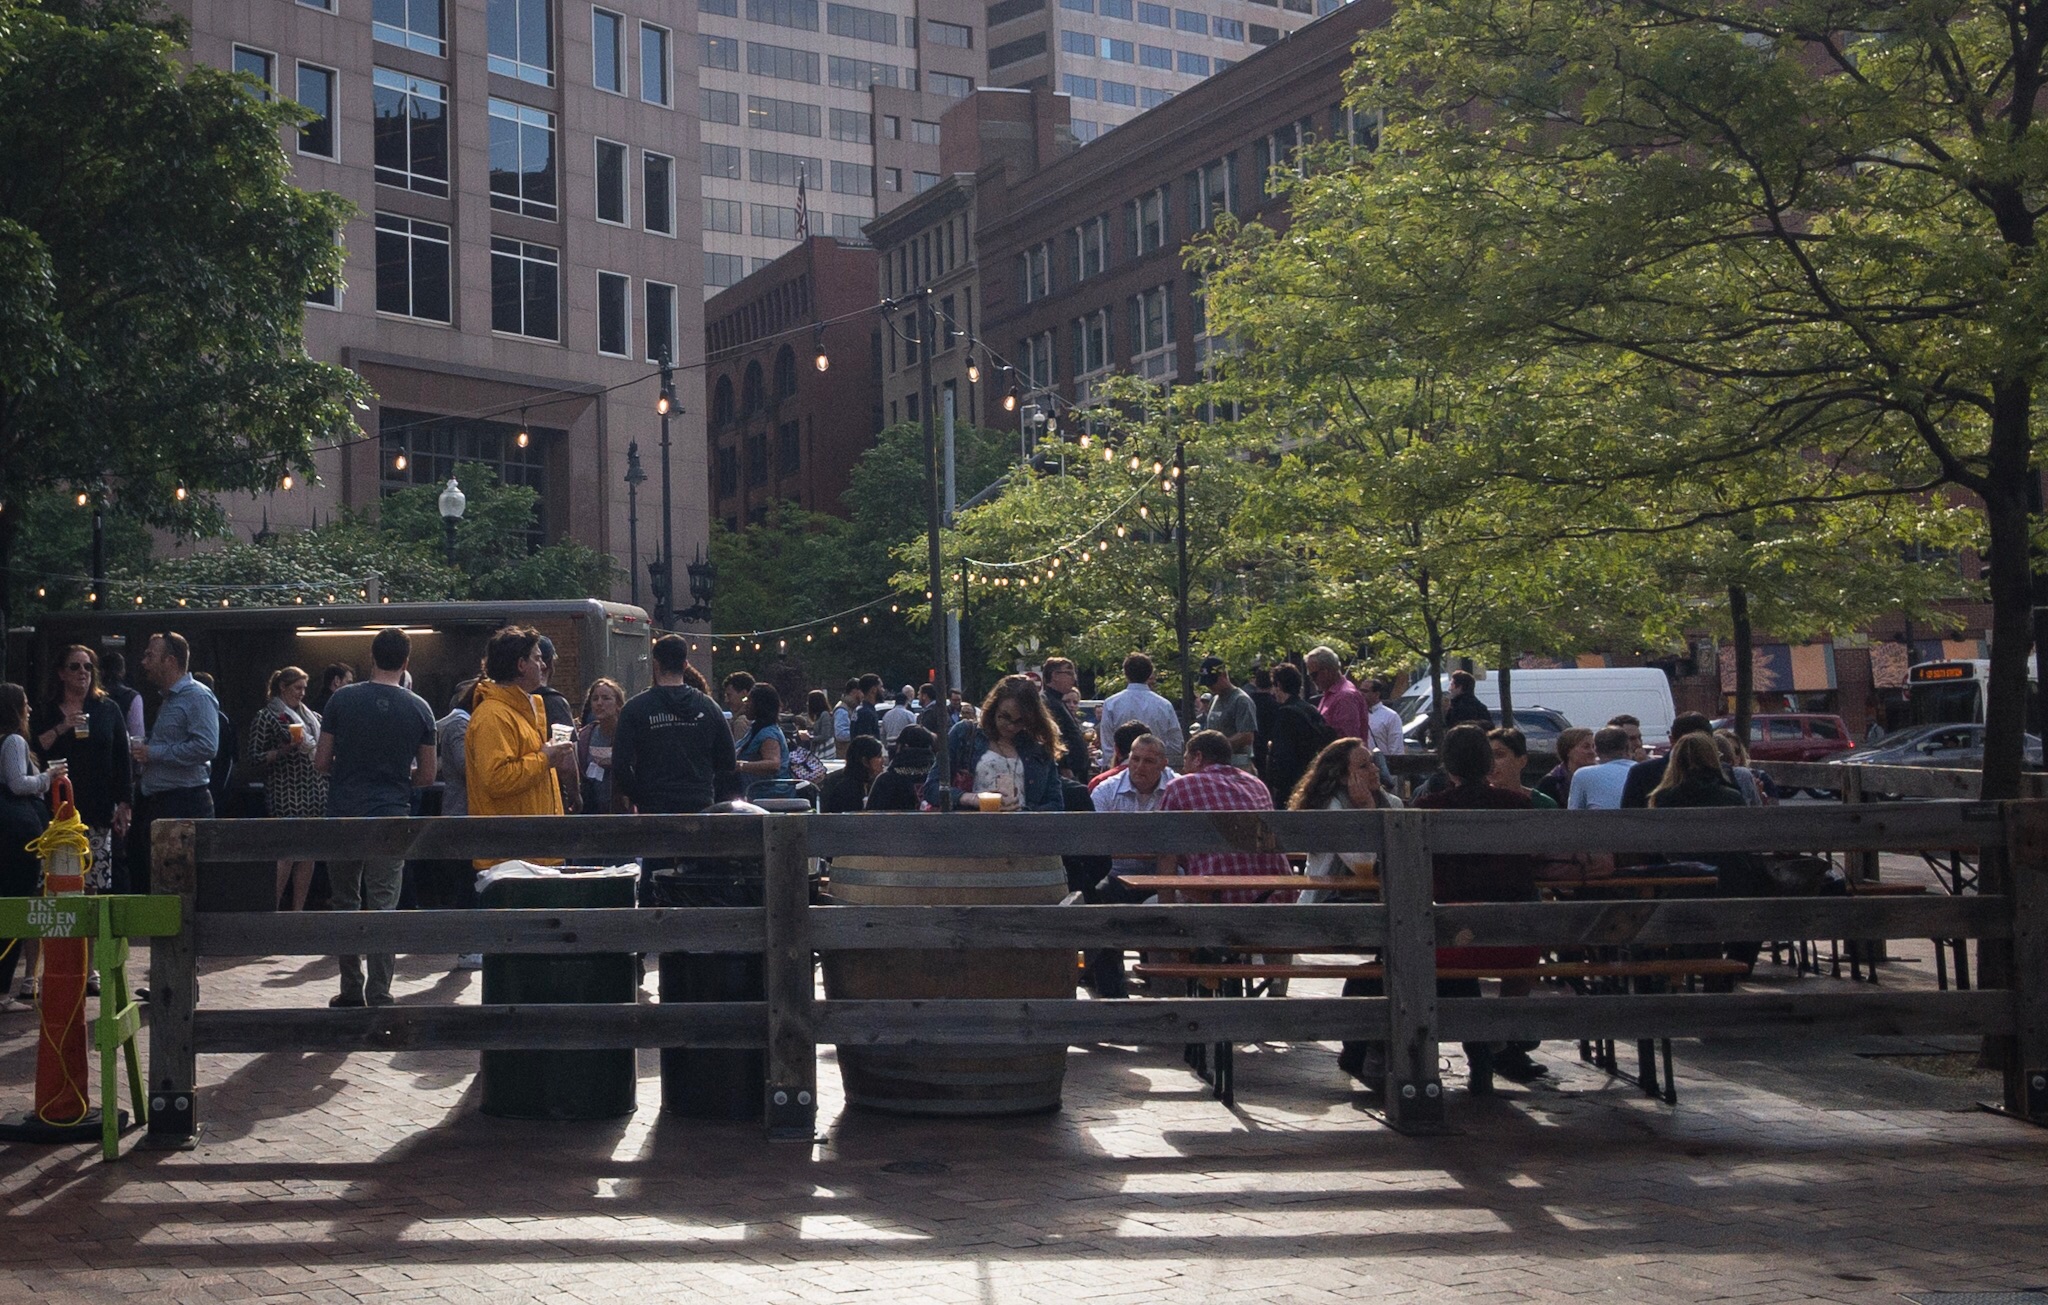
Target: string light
179	493
1010	400
522	439
973	371
84	498
398	463
821	360
286	483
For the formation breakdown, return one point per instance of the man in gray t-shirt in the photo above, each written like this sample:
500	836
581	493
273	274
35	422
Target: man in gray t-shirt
1232	713
376	747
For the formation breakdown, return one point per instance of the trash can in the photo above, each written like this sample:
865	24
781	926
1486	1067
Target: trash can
559	1084
712	1082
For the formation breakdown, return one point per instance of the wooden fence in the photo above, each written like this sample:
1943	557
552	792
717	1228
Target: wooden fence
2010	918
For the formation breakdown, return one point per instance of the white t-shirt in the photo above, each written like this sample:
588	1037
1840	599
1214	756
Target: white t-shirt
996	773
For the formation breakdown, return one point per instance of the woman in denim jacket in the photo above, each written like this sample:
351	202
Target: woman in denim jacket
1018	757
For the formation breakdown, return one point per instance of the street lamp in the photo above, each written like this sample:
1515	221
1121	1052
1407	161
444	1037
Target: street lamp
702	575
635	478
453	501
664	593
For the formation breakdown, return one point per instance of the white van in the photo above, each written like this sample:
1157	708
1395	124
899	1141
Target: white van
1589	697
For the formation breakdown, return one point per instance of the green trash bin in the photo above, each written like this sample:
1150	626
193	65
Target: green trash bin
560	1084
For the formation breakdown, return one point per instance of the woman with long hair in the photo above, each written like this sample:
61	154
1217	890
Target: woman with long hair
282	740
24	814
763	750
1344	777
601	704
1693	777
82	725
1012	750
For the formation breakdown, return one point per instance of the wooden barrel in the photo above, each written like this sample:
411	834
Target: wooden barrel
951	1081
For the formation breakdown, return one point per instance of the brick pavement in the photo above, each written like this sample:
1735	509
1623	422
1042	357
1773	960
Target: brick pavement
1787	1173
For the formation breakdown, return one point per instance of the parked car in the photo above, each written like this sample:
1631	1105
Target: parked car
1539	725
1794	736
1950	747
1583	695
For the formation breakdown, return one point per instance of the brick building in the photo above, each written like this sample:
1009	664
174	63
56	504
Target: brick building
780	429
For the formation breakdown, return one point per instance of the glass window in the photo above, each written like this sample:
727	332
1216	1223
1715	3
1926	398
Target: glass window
1224	65
852	178
953	34
1119	92
946	84
781	62
1155	56
924	133
1114	8
892	179
1036	276
1079	6
521	38
778	169
1077	43
257	64
774	221
1151	97
1085	129
853	125
1148	222
410	132
1823	729
1091	343
1784	729
1227	29
608	51
325	6
436	444
525	289
661	322
892	127
724	8
653	64
718	52
721	161
799	14
1152	334
1157	15
719	106
788	447
723	269
658	191
860	24
612	201
1209	192
721	214
1080	88
414	24
923	181
316	93
1189	21
788	116
1091	248
1120	51
1196	65
522	160
412	268
614	314
858	74
846	227
1261	34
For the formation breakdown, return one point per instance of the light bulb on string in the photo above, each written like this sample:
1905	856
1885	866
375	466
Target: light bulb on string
181	602
1144	511
1158	467
1084	439
398	463
973	371
835	629
1119	532
522	439
42	592
1108	455
84	498
1166	487
819	359
286	483
1134	462
863	620
179	493
223	602
1102	545
1010	400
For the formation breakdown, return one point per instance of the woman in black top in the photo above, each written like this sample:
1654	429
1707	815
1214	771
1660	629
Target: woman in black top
1693	777
847	790
102	778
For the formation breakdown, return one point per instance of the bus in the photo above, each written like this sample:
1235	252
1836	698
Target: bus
1953	692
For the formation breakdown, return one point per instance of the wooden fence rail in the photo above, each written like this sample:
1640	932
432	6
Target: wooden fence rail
2010	919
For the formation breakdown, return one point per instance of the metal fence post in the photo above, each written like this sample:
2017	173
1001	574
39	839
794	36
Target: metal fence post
1414	1092
792	1110
173	992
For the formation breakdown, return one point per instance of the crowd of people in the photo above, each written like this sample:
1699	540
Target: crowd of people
1302	737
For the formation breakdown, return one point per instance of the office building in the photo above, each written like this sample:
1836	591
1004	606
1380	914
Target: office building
843	98
525	244
1119	58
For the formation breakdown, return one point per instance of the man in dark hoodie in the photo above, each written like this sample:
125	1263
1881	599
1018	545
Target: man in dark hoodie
671	752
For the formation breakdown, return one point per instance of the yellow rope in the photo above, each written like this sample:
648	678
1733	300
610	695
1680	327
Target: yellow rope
66	831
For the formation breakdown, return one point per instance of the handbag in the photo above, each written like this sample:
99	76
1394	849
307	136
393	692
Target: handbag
805	766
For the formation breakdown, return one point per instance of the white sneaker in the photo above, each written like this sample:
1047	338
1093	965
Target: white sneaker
470	961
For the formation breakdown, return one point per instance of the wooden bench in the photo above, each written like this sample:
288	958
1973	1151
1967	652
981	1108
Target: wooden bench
1215	1063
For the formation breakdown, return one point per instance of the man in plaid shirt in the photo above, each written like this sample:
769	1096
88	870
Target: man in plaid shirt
1211	783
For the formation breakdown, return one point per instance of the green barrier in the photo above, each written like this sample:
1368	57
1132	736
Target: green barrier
109	922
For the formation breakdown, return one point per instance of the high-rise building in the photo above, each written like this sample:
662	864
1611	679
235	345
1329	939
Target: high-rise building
840	101
524	247
1118	58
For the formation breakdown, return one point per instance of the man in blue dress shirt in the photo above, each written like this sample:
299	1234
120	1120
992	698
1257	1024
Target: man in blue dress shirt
177	757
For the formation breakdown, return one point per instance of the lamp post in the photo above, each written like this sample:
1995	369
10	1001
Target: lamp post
99	550
702	573
1181	632
635	478
927	337
453	501
664	594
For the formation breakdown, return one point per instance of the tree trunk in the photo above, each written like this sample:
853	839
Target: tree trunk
1507	697
2011	639
1745	660
1436	687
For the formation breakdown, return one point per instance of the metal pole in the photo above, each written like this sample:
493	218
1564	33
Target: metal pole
633	517
1180	609
666	616
954	666
99	552
927	335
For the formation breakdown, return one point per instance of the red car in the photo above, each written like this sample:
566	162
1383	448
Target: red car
1793	736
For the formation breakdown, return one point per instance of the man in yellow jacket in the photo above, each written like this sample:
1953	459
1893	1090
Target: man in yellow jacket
509	761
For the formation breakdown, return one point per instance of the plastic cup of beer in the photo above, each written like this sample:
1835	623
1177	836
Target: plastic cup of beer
989	801
82	729
560	733
298	733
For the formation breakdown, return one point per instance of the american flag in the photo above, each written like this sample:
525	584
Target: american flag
803	208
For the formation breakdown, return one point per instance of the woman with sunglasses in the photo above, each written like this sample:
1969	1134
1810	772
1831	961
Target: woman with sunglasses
81	724
1013	750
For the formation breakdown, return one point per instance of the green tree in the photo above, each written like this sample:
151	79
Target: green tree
155	259
1817	216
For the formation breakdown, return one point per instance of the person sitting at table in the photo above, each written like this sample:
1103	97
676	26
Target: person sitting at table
897	788
1344	776
1574	750
847	788
1693	777
1013	750
1467	758
1120	752
1212	783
